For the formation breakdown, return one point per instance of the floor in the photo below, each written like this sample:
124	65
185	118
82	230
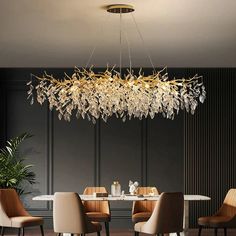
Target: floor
115	232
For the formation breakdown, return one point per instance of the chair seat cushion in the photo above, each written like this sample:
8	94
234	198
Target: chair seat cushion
25	221
141	216
138	226
214	221
98	216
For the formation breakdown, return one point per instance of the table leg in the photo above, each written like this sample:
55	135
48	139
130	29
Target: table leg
186	218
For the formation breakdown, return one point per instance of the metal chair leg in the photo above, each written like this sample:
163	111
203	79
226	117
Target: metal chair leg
225	231
216	230
23	231
41	229
19	231
2	231
200	231
107	228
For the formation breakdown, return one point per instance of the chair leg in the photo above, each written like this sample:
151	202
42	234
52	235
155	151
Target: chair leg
98	233
23	231
42	232
199	230
19	231
216	230
107	228
178	233
2	231
225	231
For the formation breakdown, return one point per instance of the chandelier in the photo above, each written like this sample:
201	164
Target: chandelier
93	95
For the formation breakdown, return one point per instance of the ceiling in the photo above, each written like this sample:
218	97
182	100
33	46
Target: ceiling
62	33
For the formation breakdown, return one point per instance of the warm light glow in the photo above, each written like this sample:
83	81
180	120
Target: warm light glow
102	95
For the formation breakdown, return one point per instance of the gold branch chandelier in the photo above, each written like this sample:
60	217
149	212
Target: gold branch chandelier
93	95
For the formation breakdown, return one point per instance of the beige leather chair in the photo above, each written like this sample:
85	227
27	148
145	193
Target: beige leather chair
13	213
142	210
69	215
166	218
224	218
98	211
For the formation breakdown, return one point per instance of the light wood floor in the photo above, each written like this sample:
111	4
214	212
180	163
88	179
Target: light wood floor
116	232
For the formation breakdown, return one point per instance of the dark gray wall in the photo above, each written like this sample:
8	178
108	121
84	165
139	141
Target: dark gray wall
160	152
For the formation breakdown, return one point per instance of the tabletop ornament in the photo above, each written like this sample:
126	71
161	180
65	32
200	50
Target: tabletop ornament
116	189
133	187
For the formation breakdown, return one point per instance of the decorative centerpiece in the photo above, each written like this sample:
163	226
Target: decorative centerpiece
116	189
133	187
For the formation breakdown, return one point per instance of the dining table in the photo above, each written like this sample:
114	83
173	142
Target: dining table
187	200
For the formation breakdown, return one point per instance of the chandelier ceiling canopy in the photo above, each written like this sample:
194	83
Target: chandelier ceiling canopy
93	95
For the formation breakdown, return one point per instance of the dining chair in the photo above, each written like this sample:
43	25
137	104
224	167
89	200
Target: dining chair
98	211
224	218
167	216
142	210
14	215
69	215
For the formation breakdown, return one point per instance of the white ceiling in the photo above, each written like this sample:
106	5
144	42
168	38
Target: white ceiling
62	33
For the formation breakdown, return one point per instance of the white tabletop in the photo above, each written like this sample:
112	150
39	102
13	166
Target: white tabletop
123	198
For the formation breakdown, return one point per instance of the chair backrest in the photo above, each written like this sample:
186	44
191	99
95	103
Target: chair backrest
10	206
96	206
145	206
68	213
228	207
167	216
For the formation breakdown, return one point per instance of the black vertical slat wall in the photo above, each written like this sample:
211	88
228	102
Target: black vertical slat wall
210	142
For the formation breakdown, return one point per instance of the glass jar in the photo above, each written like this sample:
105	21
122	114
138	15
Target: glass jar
116	189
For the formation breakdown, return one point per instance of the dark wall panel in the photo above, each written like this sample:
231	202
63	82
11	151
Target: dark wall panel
120	152
73	155
19	120
165	153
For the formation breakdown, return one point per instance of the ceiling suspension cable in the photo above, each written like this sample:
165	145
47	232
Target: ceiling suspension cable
128	45
120	42
144	45
96	44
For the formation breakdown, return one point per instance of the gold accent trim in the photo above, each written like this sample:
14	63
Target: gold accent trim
120	8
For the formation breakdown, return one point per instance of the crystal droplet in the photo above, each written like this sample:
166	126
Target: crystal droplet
202	98
32	101
124	118
28	83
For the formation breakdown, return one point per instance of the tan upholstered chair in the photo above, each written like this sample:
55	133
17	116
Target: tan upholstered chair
13	213
69	215
167	216
224	218
142	210
98	211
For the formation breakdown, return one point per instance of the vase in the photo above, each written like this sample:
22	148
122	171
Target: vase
116	189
